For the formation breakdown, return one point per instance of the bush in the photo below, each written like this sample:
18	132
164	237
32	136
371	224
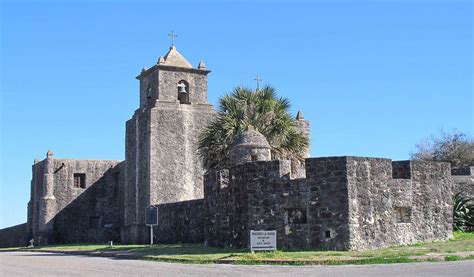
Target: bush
456	148
463	213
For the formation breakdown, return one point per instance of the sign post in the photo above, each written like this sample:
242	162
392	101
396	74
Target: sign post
263	240
151	219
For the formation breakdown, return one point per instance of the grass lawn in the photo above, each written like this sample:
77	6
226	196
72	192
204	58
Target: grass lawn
455	249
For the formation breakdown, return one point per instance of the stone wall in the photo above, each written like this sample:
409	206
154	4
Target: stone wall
344	203
463	179
307	213
176	170
218	207
169	78
161	83
327	181
14	236
57	199
163	165
95	215
386	211
137	155
180	222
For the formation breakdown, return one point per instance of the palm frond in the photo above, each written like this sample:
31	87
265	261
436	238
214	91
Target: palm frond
264	110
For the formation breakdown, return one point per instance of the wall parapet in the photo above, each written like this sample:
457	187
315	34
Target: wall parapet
463	171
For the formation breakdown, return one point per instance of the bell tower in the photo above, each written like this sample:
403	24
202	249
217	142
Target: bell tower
173	79
162	137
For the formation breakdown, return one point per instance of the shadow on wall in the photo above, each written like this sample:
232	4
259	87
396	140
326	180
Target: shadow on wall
14	236
93	217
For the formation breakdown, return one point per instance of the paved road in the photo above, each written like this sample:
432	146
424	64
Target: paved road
45	264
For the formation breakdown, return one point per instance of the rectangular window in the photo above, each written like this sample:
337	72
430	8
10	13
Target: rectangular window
80	180
403	214
94	222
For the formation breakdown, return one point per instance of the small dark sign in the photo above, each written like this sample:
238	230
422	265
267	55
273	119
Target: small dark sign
151	215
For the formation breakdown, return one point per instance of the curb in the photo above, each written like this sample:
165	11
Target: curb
128	256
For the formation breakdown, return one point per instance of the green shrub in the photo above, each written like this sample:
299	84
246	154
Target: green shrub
463	213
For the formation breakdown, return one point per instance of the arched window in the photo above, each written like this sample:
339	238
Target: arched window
183	92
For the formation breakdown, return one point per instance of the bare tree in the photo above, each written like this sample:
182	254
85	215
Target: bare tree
456	148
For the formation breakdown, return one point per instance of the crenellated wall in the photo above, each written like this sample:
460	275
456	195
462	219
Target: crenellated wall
344	203
377	201
261	196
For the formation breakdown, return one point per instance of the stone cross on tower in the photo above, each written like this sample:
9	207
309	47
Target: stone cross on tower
258	79
172	35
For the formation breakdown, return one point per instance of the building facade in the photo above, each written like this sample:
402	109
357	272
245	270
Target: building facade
344	203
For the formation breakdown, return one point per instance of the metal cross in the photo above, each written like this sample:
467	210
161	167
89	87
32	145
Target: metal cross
172	35
258	82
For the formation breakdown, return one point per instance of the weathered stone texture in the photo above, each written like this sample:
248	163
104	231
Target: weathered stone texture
249	146
160	83
375	199
137	188
344	203
169	78
94	215
303	127
14	236
180	222
163	165
261	195
327	182
176	168
335	203
54	193
463	179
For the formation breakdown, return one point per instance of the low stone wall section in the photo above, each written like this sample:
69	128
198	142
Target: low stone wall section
14	236
180	222
463	179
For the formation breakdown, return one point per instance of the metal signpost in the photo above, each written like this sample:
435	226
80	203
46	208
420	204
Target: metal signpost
263	240
151	219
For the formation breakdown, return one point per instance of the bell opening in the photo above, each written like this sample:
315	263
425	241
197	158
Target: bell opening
183	92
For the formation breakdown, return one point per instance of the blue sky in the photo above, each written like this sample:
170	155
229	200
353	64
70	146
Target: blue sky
373	77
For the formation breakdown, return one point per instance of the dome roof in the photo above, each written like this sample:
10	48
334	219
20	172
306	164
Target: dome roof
252	138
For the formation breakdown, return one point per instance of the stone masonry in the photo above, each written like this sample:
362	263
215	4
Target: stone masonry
336	203
344	203
163	165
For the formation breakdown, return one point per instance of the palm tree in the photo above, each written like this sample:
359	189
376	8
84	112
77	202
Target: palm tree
262	109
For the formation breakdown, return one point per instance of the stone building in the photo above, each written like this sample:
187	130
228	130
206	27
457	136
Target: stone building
325	203
343	203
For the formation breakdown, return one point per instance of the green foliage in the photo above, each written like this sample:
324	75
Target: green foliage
456	148
262	109
463	213
452	258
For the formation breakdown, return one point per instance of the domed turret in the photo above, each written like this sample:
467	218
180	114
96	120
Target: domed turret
248	147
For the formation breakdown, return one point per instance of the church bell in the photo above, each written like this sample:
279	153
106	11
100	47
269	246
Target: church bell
182	89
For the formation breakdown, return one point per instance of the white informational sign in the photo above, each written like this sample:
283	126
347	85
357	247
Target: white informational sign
263	240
